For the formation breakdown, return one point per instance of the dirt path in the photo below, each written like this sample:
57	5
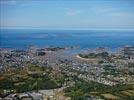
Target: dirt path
86	59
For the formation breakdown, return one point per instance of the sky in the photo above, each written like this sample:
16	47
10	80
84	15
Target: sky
67	13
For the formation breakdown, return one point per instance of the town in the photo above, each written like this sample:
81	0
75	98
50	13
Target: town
53	74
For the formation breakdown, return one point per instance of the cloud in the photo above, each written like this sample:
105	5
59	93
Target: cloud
72	12
7	2
112	12
122	14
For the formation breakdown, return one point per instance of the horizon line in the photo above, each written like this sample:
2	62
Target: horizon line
57	28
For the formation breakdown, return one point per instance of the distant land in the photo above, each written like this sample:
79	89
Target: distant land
21	38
